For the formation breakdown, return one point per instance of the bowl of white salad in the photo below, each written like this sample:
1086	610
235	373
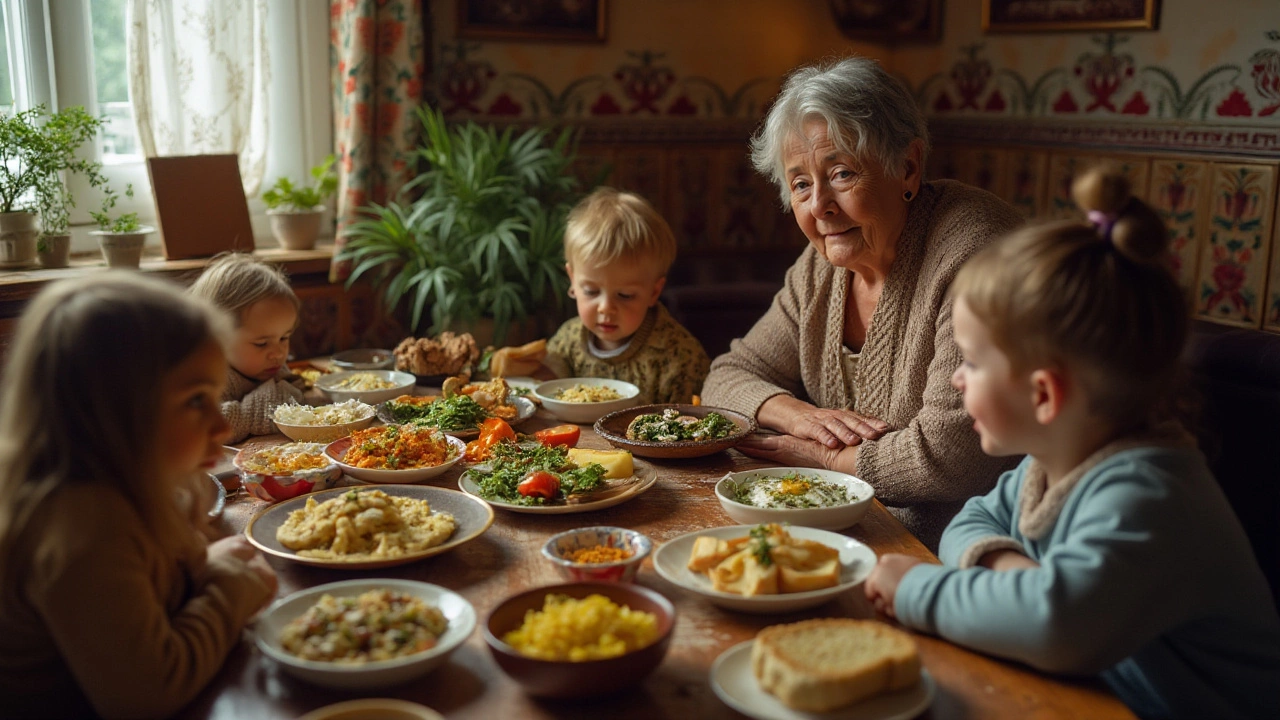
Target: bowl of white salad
806	497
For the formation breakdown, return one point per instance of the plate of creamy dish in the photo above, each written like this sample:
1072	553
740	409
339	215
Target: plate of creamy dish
823	499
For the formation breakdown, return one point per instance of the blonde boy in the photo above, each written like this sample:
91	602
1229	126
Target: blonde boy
618	250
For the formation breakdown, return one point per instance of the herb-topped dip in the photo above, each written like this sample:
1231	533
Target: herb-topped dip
792	490
671	426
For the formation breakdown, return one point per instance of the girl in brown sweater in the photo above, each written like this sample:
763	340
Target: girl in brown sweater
112	602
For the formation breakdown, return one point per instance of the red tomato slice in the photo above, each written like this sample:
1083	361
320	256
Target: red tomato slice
566	435
540	483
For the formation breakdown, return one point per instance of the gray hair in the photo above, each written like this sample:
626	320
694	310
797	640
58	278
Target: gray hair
869	114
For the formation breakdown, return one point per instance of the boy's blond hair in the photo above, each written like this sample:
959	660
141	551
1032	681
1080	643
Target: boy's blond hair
236	281
609	226
1097	296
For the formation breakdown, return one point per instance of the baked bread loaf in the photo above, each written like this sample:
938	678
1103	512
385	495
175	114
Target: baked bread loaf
823	665
515	361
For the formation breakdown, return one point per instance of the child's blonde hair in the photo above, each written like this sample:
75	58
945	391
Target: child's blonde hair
609	226
80	395
236	281
1098	296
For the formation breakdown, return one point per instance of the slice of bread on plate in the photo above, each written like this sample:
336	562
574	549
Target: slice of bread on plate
827	664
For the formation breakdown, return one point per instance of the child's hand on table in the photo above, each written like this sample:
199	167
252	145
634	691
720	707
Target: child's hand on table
882	584
238	547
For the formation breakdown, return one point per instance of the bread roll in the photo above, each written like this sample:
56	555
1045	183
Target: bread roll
823	665
516	361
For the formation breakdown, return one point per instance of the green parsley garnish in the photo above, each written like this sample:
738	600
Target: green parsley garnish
510	462
459	412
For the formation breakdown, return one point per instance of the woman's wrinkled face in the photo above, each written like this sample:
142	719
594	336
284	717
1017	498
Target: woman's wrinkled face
847	208
261	344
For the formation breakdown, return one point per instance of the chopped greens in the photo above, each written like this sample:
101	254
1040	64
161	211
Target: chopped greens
792	490
510	462
459	412
671	426
760	545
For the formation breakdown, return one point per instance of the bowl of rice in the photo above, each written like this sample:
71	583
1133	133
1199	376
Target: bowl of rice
370	386
396	453
585	400
280	472
580	639
364	634
598	554
324	423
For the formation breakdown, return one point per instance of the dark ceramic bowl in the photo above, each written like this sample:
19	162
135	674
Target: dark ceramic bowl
564	679
613	428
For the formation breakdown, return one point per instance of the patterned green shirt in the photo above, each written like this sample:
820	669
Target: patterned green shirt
663	359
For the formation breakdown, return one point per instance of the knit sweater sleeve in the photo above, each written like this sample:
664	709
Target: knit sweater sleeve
765	362
985	523
685	368
103	590
251	415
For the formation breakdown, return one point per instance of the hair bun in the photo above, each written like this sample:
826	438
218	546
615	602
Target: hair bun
1133	228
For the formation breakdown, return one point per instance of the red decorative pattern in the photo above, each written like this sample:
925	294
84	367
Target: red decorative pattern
995	103
1103	74
1065	103
605	105
1236	105
1137	105
1266	79
644	84
505	105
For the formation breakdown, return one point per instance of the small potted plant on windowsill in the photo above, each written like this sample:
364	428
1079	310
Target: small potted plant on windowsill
296	211
122	237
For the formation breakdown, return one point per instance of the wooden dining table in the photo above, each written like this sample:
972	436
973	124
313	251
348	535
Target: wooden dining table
507	559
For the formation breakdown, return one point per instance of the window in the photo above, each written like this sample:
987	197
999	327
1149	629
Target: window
119	138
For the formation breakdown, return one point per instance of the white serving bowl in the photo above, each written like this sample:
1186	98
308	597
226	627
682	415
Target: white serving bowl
383	673
338	449
837	517
325	433
587	412
671	560
404	383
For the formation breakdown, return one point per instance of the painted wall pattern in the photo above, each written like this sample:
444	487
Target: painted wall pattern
1178	189
1233	263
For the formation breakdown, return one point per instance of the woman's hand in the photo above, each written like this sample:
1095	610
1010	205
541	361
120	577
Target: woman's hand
792	451
832	428
882	585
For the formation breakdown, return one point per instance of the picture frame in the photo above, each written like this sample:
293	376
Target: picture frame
999	16
553	21
889	21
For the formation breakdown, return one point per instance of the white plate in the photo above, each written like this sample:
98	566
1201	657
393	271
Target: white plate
856	561
585	412
404	383
648	478
837	517
382	673
338	449
735	684
381	708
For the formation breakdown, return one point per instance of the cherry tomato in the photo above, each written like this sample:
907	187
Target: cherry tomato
539	483
566	435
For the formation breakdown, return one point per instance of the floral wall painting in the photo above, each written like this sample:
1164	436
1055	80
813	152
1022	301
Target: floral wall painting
553	20
1060	15
889	21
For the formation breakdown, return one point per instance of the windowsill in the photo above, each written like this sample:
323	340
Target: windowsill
21	284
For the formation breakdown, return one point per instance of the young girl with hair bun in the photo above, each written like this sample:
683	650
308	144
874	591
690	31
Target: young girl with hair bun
112	602
1110	550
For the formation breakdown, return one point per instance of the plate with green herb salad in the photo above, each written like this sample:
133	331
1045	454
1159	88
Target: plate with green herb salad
459	416
674	430
528	477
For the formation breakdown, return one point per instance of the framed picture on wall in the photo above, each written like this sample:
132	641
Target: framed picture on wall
1063	15
889	21
551	20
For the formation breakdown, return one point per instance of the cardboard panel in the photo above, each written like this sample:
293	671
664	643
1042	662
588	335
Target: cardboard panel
200	205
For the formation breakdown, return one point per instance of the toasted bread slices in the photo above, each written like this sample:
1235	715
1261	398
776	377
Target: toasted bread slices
823	665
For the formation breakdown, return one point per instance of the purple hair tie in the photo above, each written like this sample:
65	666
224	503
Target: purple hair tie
1103	222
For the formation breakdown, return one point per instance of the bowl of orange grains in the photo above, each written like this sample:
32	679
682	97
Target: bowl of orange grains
598	554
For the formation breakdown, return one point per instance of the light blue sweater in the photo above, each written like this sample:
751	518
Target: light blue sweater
1145	578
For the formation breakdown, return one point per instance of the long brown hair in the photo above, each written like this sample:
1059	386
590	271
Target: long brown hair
80	394
1098	296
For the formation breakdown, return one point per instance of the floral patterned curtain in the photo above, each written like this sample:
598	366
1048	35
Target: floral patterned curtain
377	60
198	78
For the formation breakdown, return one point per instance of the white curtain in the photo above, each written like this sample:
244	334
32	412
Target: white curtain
198	78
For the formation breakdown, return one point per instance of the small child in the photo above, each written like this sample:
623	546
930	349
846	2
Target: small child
113	601
618	250
265	309
1110	549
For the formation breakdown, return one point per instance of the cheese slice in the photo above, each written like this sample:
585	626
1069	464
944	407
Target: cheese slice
617	463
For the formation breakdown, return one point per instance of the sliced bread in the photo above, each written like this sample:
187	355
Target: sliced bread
822	665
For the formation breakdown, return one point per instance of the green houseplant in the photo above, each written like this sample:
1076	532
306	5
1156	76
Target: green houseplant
296	211
120	236
36	151
484	240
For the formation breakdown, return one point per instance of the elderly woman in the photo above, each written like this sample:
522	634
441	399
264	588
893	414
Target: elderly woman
851	365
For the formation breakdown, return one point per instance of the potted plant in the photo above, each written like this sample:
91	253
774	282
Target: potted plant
485	239
121	238
36	150
296	211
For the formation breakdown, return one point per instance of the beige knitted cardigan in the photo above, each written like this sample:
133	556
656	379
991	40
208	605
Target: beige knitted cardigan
930	462
248	404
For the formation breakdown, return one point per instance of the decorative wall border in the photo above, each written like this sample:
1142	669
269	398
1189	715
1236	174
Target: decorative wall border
1259	141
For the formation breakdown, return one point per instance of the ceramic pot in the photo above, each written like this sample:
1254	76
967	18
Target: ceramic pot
54	250
123	250
18	234
296	229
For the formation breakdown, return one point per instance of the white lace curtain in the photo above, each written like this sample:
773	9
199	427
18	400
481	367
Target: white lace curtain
198	77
